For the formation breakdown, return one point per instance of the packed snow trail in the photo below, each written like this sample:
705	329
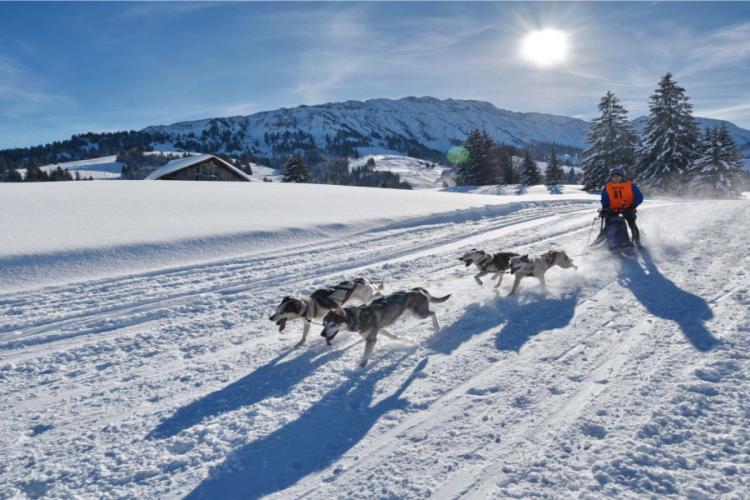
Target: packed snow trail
624	379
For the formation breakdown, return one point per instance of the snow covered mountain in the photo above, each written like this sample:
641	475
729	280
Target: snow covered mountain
420	127
423	127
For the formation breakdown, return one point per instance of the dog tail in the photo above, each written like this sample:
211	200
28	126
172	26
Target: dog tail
438	300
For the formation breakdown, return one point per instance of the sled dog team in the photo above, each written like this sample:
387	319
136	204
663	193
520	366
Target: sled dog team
379	311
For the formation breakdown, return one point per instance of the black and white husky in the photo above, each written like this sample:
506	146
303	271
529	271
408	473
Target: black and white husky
487	263
525	266
321	301
373	318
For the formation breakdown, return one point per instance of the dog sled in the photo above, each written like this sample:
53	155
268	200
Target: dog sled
613	235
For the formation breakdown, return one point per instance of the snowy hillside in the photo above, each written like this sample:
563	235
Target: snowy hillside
412	123
421	174
261	173
420	127
163	377
104	167
424	127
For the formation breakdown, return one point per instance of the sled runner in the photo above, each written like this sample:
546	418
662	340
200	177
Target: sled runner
613	235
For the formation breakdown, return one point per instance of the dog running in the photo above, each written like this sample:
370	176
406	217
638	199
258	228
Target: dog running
373	318
321	301
525	266
496	264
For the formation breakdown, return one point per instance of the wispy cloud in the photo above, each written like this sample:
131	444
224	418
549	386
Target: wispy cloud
727	112
725	47
22	92
164	11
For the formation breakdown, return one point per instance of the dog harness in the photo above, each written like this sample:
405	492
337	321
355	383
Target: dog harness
621	195
486	261
349	291
310	307
551	258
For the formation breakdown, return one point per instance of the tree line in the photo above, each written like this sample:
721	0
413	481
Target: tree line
480	161
336	171
673	157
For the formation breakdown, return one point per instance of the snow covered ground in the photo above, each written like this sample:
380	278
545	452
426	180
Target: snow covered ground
261	173
103	167
421	174
624	378
64	231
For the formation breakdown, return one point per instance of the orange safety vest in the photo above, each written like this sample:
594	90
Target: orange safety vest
620	195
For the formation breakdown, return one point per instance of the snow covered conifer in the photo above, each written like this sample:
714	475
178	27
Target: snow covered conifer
530	174
296	170
718	170
479	167
612	143
554	174
572	178
670	139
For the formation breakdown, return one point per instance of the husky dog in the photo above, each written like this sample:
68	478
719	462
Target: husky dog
524	266
371	319
488	263
322	301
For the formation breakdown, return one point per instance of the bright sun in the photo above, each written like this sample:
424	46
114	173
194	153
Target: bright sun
545	48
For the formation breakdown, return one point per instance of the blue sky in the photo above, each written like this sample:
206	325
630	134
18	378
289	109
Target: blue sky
73	67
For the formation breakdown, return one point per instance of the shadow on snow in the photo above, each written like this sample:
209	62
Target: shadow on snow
516	323
666	300
272	379
320	436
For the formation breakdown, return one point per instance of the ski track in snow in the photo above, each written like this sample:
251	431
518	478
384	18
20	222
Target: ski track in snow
626	379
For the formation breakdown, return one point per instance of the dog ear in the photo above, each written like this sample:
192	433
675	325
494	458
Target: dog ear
286	298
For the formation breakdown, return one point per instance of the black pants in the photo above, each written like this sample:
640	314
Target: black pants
630	217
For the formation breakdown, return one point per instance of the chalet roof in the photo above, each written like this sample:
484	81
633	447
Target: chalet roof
180	163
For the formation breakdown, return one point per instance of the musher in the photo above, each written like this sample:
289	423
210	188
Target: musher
622	197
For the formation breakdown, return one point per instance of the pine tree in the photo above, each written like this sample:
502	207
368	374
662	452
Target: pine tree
490	167
612	143
670	138
572	178
479	167
11	175
530	175
554	174
718	171
35	174
296	170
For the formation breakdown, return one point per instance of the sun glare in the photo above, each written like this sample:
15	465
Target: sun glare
545	48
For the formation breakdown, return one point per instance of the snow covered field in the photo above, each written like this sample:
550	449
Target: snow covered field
627	379
70	231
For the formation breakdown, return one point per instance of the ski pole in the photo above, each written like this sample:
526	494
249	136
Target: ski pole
588	239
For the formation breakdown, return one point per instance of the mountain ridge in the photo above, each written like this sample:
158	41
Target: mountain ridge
422	127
